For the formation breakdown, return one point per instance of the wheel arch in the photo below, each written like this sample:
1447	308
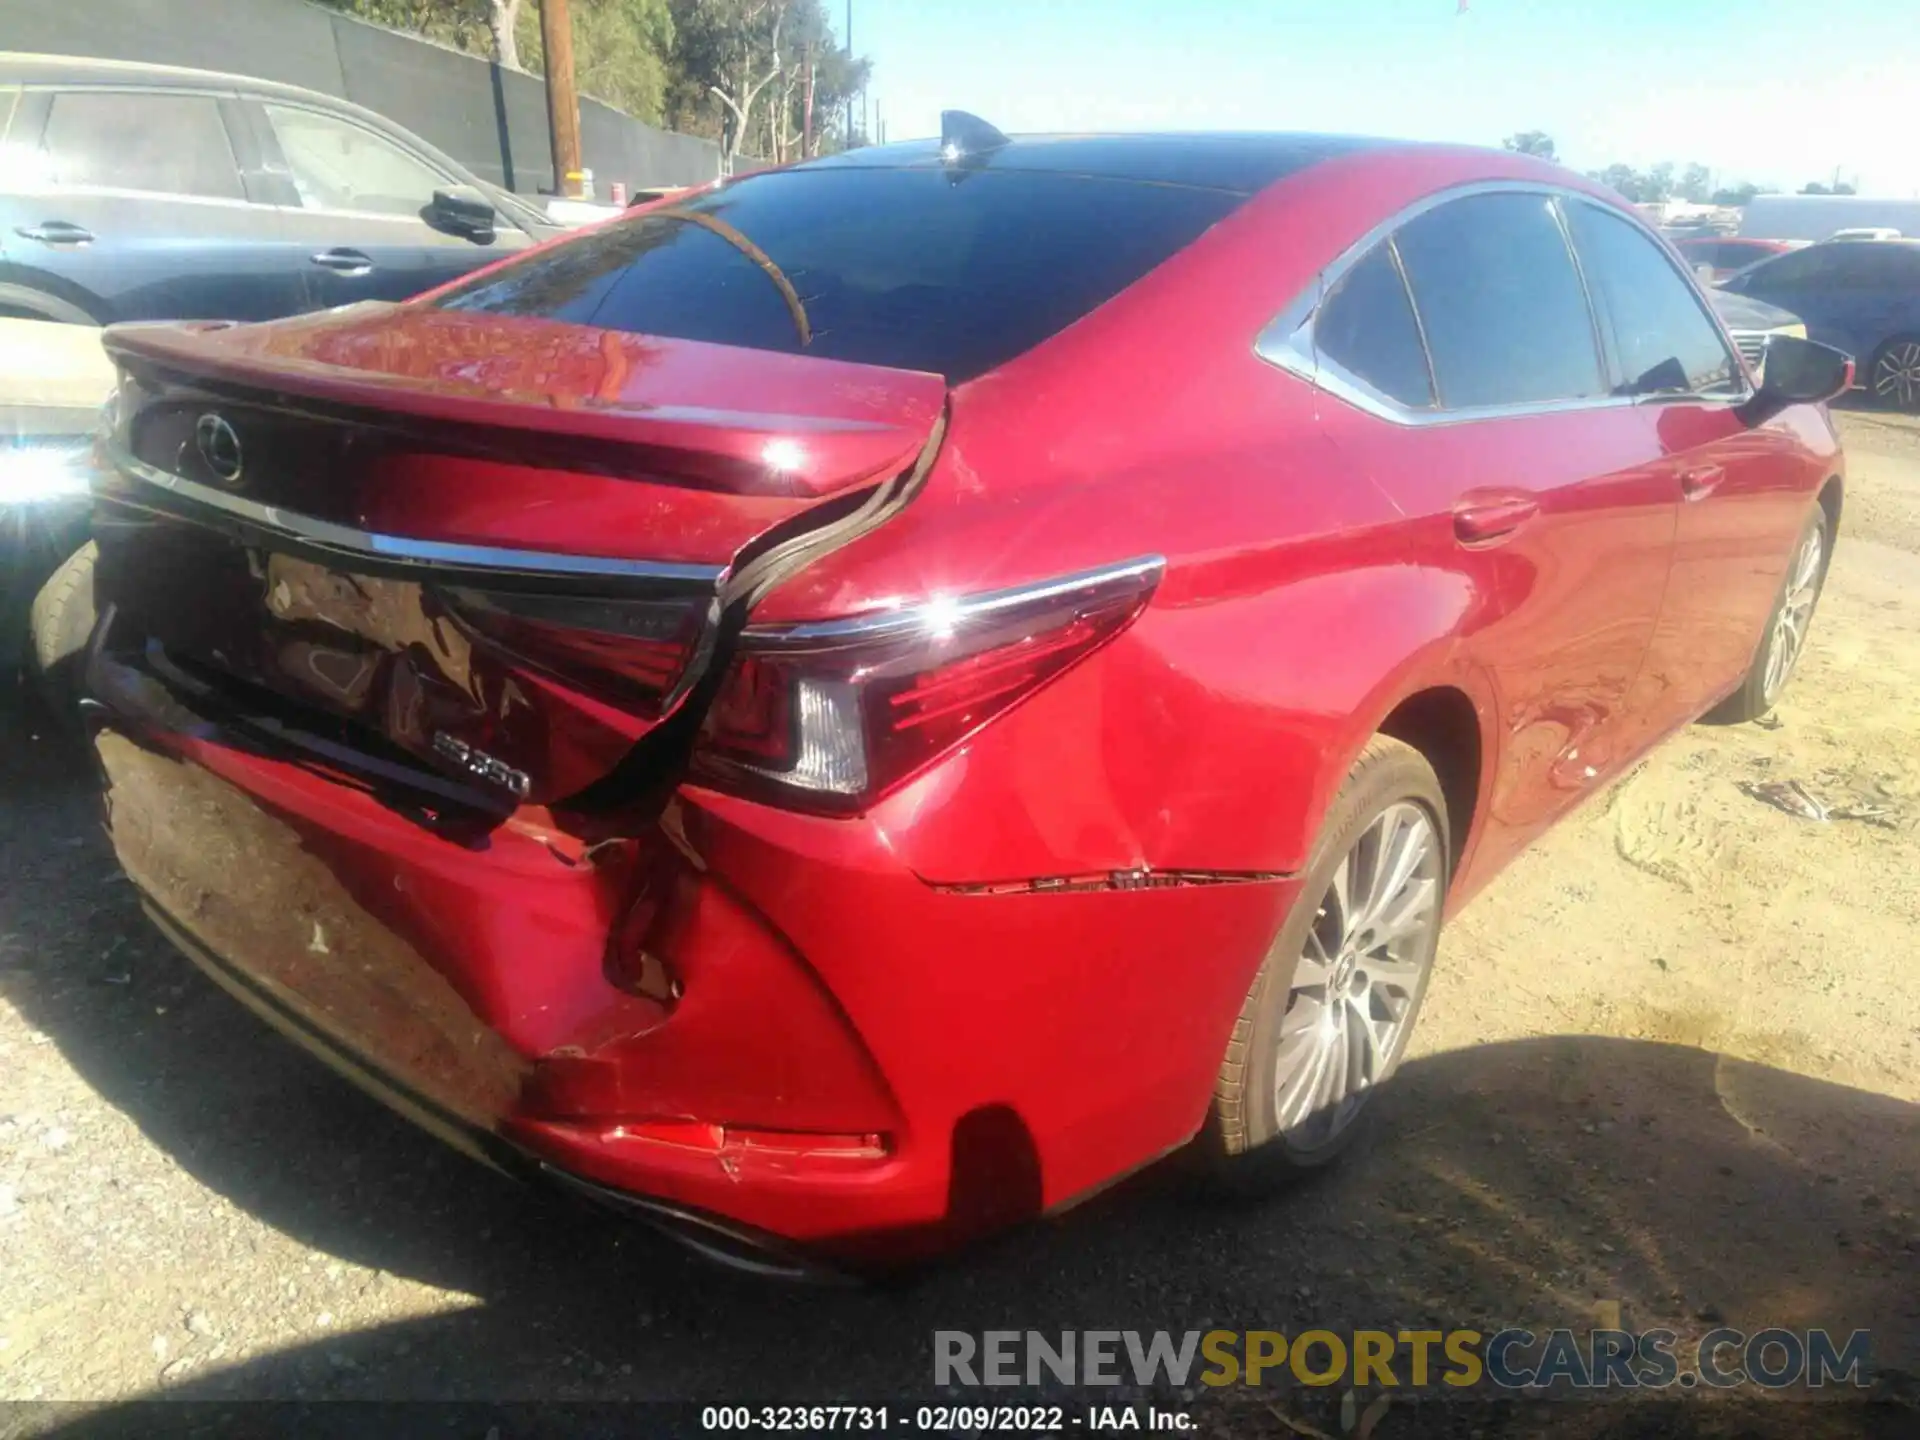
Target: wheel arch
25	302
1446	727
1833	496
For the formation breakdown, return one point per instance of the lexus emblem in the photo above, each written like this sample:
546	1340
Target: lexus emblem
219	447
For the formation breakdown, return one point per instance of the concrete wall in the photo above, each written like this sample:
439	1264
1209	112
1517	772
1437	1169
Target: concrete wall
493	121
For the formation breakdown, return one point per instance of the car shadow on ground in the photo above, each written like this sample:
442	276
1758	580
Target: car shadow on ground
1523	1183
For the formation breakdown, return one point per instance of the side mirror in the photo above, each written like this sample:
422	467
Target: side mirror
1797	372
462	210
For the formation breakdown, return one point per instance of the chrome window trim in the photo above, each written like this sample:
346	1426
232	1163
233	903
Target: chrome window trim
1286	341
58	189
1142	572
327	535
1419	326
1604	354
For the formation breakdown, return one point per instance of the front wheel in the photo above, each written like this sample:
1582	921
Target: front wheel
1334	1004
1894	378
1785	639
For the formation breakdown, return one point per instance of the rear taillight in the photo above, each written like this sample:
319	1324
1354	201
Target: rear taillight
830	716
630	653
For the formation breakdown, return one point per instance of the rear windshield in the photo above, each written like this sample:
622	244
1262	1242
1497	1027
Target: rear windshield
912	268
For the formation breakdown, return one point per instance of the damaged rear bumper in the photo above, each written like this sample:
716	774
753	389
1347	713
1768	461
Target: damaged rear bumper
758	1030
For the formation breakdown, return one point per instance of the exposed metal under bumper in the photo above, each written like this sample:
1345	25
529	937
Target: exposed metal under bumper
722	1242
736	1248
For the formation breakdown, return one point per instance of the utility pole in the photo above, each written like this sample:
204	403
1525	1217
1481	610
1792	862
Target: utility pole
563	104
849	137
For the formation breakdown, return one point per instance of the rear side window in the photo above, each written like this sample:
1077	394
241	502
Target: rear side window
132	140
1505	315
1366	327
1814	266
912	268
1882	265
1661	334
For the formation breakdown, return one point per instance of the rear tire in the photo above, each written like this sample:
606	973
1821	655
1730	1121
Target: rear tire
60	625
1334	1004
1785	638
1893	380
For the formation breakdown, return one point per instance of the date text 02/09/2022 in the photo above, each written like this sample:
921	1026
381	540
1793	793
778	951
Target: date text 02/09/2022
940	1419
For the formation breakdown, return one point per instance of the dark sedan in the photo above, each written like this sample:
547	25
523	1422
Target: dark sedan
1859	296
147	192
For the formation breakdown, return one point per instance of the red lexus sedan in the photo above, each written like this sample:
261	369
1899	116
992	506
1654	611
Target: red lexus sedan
858	706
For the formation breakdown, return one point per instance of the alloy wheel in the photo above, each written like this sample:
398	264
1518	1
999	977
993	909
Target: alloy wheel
1796	611
1896	375
1359	976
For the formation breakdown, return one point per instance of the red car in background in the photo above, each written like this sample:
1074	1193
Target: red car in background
1715	257
860	706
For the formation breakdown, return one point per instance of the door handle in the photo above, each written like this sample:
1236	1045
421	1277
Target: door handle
1698	483
56	232
1489	519
346	262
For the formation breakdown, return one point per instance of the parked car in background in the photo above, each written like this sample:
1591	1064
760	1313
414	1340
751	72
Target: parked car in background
858	708
1752	323
1861	297
143	192
53	381
1716	257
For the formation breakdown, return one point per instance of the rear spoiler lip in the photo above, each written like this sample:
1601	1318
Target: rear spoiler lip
704	445
442	561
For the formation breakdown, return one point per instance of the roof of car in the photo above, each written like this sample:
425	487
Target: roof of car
79	70
1238	162
22	69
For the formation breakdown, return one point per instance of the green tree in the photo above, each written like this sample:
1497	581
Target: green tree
622	52
621	48
1623	178
740	71
1696	184
1736	194
1531	142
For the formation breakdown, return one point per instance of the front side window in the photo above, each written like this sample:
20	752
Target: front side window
338	165
1505	316
1665	342
1366	327
910	267
141	140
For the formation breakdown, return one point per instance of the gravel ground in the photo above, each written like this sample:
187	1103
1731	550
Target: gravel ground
1671	1061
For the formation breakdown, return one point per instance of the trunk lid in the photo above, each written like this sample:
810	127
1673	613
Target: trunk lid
491	549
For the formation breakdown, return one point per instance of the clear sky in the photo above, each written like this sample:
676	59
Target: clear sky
1774	91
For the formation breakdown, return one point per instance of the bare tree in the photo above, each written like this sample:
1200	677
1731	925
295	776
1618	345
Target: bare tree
501	15
742	88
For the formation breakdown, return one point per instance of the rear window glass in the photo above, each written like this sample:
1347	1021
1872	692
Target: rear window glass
912	268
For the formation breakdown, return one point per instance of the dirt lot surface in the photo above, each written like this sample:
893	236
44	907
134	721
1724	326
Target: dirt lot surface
1671	1060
